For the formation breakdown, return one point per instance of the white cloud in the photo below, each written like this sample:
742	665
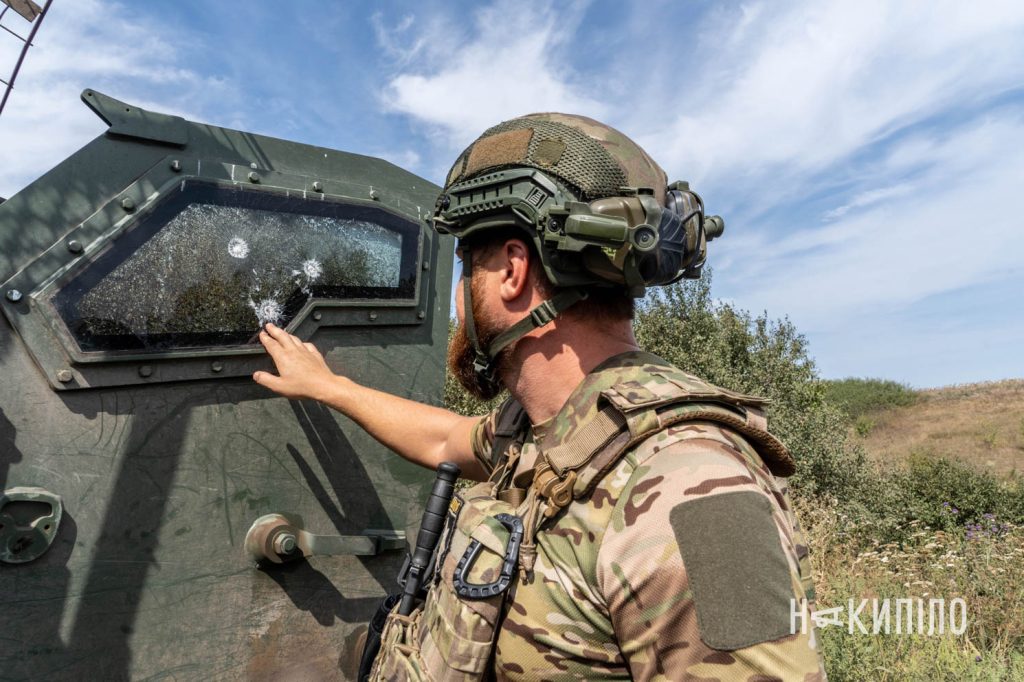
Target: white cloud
869	198
897	124
864	154
402	40
512	63
82	44
954	230
808	87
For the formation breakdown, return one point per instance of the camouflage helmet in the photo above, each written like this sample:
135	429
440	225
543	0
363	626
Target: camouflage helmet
594	160
595	204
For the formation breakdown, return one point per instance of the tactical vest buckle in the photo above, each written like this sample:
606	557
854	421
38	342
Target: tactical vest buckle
557	491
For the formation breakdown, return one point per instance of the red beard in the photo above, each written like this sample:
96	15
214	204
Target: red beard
461	352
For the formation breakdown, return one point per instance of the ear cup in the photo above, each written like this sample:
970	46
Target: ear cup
697	228
662	264
690	209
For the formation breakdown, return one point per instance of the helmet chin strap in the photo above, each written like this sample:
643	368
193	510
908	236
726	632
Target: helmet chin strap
484	364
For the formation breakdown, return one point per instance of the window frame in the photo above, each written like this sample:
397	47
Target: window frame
162	212
68	367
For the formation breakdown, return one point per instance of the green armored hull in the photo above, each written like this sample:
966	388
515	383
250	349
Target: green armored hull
136	453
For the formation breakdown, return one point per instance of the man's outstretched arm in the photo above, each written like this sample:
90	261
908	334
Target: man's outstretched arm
421	433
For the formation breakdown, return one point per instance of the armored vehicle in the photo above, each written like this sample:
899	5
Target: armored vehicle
161	515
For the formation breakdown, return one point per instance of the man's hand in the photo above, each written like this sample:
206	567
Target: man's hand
302	370
421	433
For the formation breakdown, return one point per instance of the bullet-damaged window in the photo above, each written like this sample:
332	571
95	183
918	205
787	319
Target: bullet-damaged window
210	264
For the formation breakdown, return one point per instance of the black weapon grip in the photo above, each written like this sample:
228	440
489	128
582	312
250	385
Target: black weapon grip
431	527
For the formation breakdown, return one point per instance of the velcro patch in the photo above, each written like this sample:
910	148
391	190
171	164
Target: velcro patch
504	148
549	152
736	567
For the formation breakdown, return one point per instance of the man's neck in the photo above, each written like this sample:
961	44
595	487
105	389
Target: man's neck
547	365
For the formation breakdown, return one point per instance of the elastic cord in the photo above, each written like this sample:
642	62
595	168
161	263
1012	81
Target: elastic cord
538	317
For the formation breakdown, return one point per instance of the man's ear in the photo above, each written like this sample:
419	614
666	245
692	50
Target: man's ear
514	265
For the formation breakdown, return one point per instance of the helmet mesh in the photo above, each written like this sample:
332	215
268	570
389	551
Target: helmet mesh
584	163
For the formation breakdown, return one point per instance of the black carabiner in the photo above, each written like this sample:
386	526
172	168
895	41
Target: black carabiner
468	590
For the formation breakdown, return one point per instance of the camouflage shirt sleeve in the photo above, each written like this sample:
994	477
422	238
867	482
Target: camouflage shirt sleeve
698	569
481	438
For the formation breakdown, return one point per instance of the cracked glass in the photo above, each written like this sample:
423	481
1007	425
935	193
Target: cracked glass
209	265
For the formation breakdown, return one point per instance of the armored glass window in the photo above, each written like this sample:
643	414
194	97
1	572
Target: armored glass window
210	264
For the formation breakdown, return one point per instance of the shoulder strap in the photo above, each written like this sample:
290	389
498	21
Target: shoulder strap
510	427
627	413
632	411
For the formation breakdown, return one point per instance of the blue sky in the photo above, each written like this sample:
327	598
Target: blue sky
868	157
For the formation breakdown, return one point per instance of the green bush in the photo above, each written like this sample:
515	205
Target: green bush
857	397
729	347
864	425
943	493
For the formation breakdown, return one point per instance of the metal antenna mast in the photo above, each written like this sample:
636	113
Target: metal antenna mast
33	14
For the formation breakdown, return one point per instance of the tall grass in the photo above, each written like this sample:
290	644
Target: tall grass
986	569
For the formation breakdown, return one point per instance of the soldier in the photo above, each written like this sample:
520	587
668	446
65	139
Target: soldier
629	523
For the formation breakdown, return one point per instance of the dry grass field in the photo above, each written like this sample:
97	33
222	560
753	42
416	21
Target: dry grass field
980	424
977	556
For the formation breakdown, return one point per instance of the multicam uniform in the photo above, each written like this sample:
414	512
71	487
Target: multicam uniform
677	558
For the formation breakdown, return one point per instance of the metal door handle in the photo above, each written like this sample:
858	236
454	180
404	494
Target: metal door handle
276	538
29	518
